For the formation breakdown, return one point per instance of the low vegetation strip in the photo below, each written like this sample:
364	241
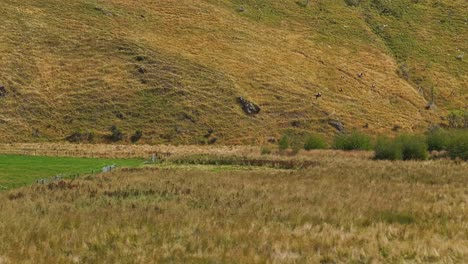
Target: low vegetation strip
274	162
342	211
17	170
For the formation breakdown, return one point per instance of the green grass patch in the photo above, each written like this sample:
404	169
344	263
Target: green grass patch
18	170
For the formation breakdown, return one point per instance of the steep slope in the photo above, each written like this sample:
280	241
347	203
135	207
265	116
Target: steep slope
175	68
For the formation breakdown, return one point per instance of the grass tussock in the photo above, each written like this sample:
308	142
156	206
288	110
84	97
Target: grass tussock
347	210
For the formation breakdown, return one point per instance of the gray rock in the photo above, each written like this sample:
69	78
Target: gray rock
337	125
248	107
241	9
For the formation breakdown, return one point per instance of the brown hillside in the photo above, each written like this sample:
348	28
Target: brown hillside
174	69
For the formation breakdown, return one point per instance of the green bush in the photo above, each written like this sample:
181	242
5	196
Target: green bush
353	141
438	139
387	149
283	143
413	147
404	147
314	141
458	145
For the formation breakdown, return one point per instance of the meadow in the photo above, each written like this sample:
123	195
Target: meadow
16	170
346	208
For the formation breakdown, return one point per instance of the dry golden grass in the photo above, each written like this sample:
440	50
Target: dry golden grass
347	210
72	65
145	151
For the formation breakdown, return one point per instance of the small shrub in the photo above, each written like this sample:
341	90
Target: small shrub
79	136
353	141
387	149
314	142
283	143
413	147
137	136
353	2
265	151
458	145
116	134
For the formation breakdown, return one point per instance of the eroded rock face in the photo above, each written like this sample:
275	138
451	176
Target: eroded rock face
337	125
3	91
248	107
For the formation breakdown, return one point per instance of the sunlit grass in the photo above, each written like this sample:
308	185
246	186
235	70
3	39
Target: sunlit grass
347	209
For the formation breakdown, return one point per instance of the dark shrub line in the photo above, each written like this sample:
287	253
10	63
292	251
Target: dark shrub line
403	147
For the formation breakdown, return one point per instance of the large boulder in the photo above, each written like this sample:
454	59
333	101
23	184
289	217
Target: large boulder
248	107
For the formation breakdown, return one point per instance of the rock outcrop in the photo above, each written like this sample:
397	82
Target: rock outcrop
248	107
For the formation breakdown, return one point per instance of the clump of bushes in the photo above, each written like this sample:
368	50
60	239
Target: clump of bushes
297	140
455	142
136	136
353	141
403	147
80	136
314	141
116	134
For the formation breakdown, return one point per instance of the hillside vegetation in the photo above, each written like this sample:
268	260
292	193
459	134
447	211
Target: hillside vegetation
174	69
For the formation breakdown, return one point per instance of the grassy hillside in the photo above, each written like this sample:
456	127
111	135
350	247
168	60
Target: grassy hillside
175	68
